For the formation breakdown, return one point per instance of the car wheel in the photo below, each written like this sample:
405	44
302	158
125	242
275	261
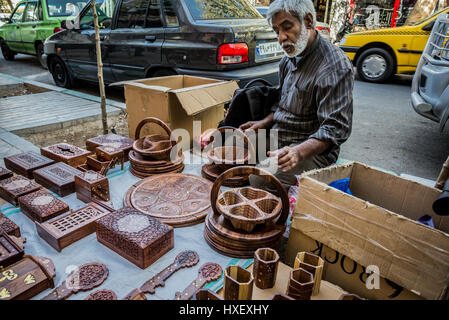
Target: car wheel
60	74
39	53
8	54
375	65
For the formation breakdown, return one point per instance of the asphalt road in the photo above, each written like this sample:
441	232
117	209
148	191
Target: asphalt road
387	133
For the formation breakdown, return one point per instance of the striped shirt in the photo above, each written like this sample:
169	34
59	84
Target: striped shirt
315	98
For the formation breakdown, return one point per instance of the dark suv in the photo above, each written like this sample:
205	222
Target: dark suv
147	38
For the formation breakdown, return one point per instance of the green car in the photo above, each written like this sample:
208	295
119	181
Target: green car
33	21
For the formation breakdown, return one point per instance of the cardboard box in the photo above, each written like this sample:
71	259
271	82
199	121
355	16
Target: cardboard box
328	291
376	227
178	101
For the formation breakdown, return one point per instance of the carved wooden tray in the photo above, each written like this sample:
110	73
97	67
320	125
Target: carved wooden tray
25	163
144	168
175	199
212	171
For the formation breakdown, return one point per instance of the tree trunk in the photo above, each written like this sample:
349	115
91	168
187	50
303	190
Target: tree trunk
100	69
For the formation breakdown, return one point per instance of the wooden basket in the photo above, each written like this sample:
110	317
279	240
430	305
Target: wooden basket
154	146
248	207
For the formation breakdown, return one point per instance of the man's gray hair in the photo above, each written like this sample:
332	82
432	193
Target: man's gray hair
297	8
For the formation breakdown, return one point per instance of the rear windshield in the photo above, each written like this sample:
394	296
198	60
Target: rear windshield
65	8
219	9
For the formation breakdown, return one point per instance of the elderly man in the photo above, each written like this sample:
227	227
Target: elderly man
314	113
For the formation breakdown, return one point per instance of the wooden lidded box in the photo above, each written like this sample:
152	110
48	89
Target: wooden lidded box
13	188
25	163
10	251
42	206
58	177
62	231
111	140
90	184
137	237
27	278
67	153
5	173
9	226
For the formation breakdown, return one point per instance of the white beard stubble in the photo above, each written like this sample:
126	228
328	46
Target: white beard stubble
300	44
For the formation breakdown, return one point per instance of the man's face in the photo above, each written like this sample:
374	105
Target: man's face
292	35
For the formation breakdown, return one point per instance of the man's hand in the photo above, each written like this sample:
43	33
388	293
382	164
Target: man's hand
288	157
254	125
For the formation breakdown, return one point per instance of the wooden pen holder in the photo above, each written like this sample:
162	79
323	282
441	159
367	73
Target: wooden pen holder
91	185
312	263
66	153
238	283
266	261
300	284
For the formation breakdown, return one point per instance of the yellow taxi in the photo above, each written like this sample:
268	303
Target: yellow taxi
379	54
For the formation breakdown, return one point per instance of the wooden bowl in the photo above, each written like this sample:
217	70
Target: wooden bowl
227	157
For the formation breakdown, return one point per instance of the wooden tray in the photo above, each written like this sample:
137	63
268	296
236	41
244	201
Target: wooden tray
112	140
212	171
175	199
5	173
58	177
61	232
9	226
25	163
27	278
41	206
12	188
143	168
67	153
137	237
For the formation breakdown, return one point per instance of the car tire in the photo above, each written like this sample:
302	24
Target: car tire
61	76
39	53
8	54
375	65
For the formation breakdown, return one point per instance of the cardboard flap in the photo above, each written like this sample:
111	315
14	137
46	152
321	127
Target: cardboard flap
199	98
144	86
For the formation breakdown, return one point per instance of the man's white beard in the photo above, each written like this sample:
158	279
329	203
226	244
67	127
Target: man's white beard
300	44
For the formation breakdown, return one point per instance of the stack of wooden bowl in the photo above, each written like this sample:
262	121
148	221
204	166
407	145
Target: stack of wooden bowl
155	153
224	157
245	219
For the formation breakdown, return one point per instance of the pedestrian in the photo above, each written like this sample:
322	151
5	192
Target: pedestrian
313	116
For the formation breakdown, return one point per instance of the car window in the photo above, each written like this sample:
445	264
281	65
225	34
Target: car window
66	8
170	14
154	15
132	14
219	9
18	14
105	11
31	12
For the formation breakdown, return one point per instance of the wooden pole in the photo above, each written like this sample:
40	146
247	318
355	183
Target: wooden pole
444	175
100	69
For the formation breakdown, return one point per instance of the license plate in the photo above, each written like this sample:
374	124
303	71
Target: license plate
267	50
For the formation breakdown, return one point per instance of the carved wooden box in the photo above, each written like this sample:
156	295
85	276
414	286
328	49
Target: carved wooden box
62	231
58	177
111	140
5	173
26	278
25	163
135	236
13	188
67	153
109	153
96	163
9	226
90	185
10	250
41	206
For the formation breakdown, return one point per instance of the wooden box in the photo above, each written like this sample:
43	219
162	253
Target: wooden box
25	163
58	177
67	153
5	173
10	251
9	226
27	278
109	153
62	231
90	185
42	206
137	237
111	140
13	188
96	163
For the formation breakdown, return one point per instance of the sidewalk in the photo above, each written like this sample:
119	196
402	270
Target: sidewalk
10	144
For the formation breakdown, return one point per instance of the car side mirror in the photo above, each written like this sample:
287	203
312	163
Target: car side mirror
429	26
